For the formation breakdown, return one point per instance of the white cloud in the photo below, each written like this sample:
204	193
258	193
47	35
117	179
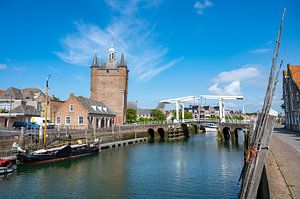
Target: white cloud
229	82
233	88
260	50
246	73
145	57
3	66
200	7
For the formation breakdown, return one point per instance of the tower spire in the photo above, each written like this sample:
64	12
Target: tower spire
95	60
123	62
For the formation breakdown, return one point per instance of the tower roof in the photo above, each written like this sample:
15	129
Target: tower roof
95	60
111	49
122	62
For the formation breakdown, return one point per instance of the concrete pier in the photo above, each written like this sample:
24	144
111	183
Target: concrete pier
122	143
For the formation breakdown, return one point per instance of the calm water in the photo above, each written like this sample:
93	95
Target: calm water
199	167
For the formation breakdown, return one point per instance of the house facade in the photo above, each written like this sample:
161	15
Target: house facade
144	113
21	113
81	112
291	97
26	98
203	112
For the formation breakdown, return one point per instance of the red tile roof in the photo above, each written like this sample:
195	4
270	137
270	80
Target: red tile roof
295	74
1	92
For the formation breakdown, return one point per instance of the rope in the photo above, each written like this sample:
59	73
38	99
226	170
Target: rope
252	152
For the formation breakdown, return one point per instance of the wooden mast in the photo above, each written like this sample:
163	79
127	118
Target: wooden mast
260	139
46	112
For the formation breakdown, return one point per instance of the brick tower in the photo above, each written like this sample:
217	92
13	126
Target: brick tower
109	84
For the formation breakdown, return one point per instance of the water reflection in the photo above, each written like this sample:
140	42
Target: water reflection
196	167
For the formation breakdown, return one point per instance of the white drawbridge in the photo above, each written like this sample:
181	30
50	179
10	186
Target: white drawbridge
221	103
179	102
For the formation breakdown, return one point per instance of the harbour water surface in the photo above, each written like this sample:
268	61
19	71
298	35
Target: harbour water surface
198	167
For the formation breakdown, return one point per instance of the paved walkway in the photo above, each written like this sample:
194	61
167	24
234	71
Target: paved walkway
289	137
285	150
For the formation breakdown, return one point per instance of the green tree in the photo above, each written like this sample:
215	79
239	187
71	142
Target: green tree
131	115
3	111
144	119
187	115
157	115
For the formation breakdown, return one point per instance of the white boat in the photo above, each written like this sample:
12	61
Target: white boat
210	127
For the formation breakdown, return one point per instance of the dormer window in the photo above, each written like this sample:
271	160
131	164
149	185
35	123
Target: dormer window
71	107
94	107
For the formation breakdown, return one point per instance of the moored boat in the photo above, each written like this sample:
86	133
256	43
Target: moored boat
210	127
58	153
6	167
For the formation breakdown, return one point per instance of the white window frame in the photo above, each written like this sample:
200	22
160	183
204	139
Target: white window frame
79	120
66	120
71	109
59	120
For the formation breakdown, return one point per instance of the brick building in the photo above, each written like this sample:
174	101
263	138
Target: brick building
81	112
291	97
203	112
109	84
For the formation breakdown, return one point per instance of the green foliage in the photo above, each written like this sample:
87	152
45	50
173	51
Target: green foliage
214	117
157	115
187	115
144	119
235	117
131	115
3	111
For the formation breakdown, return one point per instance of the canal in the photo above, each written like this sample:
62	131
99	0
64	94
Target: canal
199	167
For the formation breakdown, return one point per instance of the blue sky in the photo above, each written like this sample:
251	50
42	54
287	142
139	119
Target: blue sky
173	48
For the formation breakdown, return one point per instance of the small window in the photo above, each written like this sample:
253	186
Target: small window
68	120
58	120
71	108
80	120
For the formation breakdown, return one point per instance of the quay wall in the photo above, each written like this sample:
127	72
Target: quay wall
57	137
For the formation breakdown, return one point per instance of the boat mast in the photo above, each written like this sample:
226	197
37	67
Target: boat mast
46	112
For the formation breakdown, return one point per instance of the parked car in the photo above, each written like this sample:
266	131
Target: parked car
27	125
41	121
18	125
33	125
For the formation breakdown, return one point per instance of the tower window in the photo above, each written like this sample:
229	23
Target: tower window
107	71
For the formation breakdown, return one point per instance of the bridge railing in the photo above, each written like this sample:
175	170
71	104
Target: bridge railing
238	121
